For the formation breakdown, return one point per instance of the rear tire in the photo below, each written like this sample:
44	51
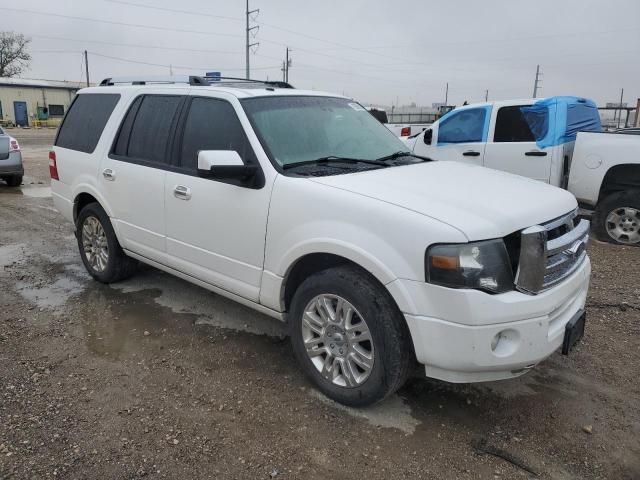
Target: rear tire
14	180
617	218
331	351
100	250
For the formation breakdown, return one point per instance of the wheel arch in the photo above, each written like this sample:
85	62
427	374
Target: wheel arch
313	262
619	178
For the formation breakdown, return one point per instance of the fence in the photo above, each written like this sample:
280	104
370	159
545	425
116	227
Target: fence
412	117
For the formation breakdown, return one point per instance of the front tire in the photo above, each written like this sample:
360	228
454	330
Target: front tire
100	250
617	218
349	336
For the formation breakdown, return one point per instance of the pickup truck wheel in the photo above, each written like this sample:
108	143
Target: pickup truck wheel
617	218
349	337
100	250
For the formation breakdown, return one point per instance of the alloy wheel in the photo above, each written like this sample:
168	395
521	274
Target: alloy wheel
94	244
337	340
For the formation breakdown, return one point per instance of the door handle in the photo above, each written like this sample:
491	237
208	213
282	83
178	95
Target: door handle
109	174
471	153
182	192
536	153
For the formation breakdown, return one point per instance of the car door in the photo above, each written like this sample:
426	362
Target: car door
132	176
215	228
512	146
459	136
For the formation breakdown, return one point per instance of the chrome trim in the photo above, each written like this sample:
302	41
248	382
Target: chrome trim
545	262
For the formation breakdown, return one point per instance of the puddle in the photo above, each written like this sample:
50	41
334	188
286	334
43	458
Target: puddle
209	308
391	413
36	192
51	295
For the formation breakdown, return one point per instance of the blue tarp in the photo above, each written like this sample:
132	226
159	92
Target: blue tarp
557	120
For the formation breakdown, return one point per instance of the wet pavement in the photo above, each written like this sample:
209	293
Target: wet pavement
157	378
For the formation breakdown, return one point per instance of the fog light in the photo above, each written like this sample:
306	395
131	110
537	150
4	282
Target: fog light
505	343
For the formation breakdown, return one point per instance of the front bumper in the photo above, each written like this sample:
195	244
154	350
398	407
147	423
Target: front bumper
455	341
12	165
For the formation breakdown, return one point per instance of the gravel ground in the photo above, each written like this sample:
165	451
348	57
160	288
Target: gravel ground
157	378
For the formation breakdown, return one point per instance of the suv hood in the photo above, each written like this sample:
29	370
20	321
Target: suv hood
480	202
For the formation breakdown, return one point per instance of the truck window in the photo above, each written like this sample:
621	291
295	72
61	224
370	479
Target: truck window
213	125
146	129
511	126
464	126
82	127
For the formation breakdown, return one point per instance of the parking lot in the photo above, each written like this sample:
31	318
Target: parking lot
154	377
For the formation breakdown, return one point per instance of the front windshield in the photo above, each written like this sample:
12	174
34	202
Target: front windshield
297	129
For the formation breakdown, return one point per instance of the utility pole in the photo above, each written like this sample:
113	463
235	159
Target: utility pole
446	95
286	63
537	82
248	30
486	95
620	105
86	66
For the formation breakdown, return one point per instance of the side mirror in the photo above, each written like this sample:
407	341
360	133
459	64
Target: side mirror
225	165
428	136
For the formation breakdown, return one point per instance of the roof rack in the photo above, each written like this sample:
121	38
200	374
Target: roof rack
193	80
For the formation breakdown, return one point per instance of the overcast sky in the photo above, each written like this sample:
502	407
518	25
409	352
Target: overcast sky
380	51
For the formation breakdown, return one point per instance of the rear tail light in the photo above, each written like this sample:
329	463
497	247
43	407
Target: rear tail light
53	167
14	146
405	132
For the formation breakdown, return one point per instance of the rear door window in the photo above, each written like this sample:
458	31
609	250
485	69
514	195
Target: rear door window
464	126
512	126
212	124
85	121
149	127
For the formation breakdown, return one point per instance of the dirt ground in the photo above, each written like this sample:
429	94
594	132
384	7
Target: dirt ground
157	378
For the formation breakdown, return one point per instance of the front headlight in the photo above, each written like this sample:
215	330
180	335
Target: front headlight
480	265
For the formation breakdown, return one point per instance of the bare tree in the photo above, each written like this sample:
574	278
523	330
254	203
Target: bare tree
14	57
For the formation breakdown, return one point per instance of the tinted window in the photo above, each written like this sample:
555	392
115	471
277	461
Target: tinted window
463	126
151	127
511	126
213	125
85	121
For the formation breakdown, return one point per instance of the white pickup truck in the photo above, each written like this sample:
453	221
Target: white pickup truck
557	140
402	130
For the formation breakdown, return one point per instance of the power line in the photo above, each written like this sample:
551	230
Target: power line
174	10
185	67
136	45
124	24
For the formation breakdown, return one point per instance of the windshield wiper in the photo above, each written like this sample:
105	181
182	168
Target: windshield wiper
401	154
336	159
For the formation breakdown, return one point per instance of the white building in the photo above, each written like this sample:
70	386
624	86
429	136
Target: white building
29	102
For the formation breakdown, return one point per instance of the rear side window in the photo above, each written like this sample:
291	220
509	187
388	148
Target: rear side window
463	126
151	128
512	126
85	121
213	125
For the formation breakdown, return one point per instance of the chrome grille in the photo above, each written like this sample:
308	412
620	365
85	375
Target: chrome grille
551	252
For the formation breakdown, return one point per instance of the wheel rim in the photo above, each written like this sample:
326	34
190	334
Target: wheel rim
94	244
337	340
623	225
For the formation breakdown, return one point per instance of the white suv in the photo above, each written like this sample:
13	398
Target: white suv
303	206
